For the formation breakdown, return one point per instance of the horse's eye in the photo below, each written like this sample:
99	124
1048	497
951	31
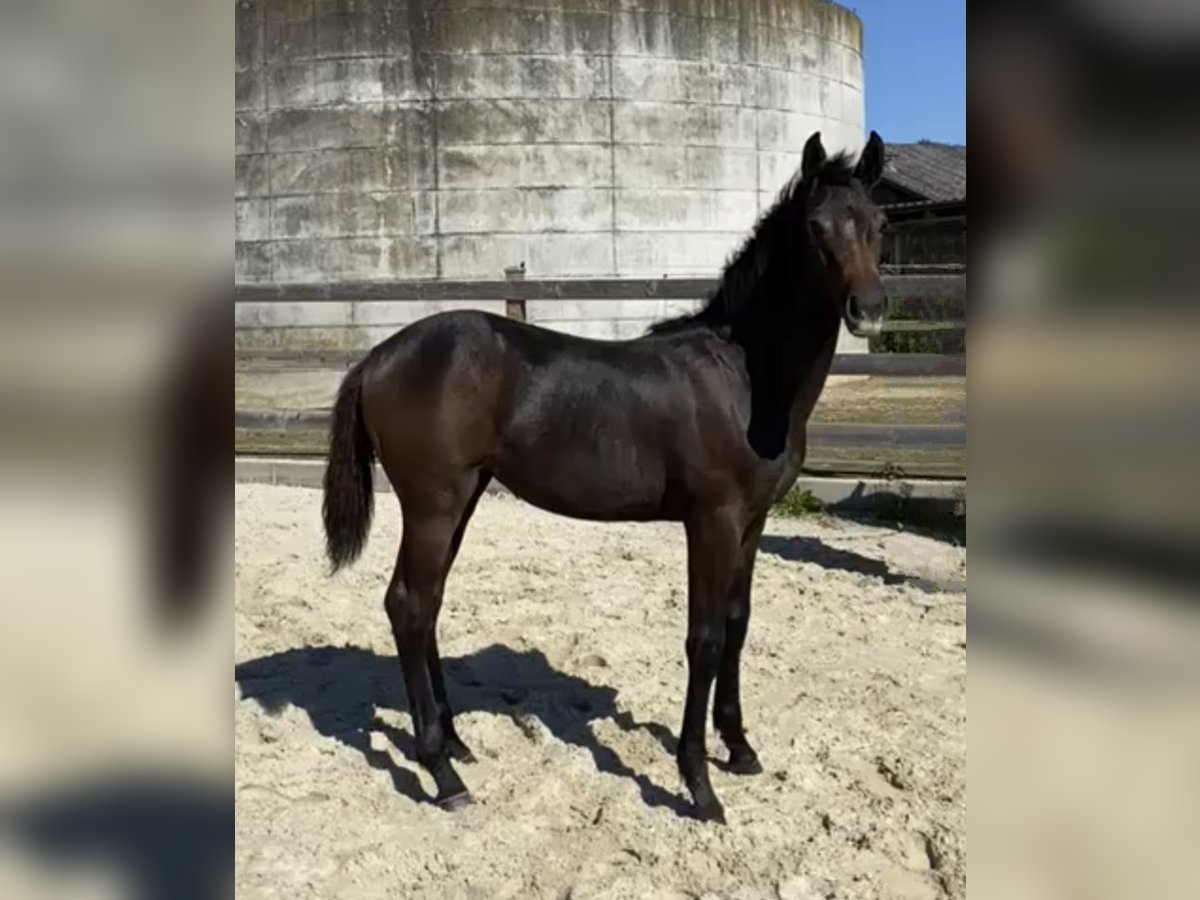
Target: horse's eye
819	227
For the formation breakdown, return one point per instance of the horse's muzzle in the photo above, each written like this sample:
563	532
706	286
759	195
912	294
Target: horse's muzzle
864	318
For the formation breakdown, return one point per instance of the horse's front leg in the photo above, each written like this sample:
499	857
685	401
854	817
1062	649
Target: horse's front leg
713	545
727	705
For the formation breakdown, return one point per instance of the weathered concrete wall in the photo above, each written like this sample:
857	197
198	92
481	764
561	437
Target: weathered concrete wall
348	325
383	139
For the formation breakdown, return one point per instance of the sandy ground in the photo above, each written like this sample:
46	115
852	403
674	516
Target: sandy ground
563	643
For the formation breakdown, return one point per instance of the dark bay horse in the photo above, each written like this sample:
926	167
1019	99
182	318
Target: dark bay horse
700	421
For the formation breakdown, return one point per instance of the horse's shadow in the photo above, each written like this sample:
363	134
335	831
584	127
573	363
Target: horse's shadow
814	550
342	687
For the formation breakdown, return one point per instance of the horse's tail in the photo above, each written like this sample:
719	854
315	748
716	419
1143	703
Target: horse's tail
349	494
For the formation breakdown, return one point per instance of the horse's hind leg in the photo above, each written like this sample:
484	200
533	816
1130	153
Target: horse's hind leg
432	512
454	744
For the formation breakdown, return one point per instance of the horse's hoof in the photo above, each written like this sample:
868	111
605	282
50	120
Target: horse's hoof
744	765
456	801
711	812
461	753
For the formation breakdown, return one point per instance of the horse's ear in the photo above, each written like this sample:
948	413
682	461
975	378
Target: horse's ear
814	157
870	164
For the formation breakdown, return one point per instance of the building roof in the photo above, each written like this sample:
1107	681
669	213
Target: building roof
927	170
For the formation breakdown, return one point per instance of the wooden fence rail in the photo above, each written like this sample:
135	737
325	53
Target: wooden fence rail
819	433
899	287
886	365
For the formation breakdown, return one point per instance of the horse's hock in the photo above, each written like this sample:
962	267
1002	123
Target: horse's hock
584	138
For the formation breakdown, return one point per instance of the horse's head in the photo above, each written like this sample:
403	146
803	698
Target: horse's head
844	231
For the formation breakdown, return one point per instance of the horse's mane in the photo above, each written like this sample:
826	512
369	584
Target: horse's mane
748	266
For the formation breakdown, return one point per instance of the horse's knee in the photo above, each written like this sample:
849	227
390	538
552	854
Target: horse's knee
705	646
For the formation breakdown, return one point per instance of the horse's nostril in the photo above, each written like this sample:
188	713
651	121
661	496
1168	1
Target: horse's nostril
854	308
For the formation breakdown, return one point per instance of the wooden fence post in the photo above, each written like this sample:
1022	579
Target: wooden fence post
514	304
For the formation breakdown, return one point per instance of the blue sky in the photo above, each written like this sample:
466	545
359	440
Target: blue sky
916	68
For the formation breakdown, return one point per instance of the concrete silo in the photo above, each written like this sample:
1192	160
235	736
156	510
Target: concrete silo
383	139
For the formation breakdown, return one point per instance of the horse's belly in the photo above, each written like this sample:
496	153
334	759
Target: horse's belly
603	480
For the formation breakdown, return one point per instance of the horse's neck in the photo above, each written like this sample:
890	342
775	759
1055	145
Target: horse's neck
787	367
811	383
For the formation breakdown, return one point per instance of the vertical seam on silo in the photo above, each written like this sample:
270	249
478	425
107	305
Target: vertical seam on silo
612	140
266	118
422	59
757	112
431	64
